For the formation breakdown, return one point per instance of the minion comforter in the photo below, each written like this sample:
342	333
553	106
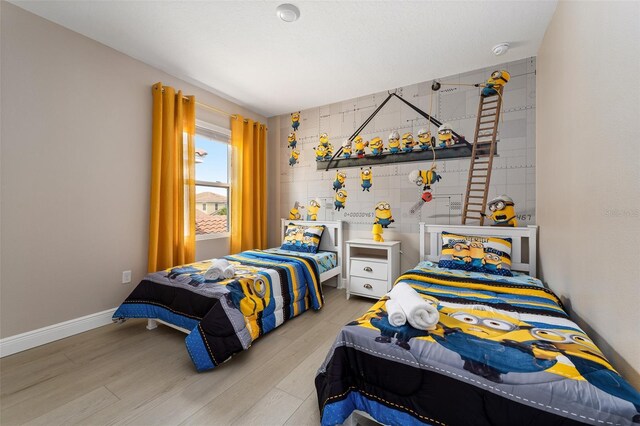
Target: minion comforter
226	316
504	352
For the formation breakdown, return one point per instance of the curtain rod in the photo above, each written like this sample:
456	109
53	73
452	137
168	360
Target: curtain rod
212	108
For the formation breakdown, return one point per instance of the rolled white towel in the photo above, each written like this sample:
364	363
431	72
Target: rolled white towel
420	314
229	272
397	317
216	270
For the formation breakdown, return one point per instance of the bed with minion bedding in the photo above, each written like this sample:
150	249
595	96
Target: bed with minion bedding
503	352
224	316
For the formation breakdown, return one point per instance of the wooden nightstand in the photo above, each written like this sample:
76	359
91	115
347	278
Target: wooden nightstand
372	267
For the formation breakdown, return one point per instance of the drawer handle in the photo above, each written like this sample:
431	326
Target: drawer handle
368	286
368	269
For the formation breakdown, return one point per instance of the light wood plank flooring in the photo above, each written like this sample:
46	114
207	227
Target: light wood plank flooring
125	374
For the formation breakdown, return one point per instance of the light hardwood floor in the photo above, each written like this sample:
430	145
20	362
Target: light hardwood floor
125	374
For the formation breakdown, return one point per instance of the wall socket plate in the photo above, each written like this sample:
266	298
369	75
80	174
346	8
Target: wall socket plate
126	277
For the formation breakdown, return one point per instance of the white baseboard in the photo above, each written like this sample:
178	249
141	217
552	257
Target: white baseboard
31	339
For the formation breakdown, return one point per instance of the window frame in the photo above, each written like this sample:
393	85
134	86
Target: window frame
221	135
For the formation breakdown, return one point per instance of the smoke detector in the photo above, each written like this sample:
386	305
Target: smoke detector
500	49
288	12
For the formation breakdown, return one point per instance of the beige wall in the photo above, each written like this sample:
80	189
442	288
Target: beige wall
76	132
588	177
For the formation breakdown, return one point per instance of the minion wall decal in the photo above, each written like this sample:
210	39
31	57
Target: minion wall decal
294	213
321	152
502	211
291	140
295	121
497	80
312	210
425	178
366	176
377	146
445	136
346	149
339	182
425	139
326	145
360	145
293	159
383	214
408	142
340	199
394	142
377	233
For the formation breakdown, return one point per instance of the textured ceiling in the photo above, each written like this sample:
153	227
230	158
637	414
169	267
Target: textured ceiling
335	51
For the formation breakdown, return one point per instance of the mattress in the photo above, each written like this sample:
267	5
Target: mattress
503	352
326	260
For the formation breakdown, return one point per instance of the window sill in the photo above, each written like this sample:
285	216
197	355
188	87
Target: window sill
213	236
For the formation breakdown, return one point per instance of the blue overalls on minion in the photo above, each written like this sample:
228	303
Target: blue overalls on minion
376	151
337	185
404	333
295	125
293	144
339	205
366	184
394	150
490	359
384	222
407	149
488	90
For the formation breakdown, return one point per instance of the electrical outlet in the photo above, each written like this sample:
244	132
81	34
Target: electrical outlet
126	277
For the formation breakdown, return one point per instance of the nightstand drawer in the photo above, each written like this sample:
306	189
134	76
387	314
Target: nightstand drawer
367	287
367	269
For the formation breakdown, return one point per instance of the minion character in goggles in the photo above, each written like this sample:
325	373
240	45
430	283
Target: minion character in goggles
341	199
445	136
294	157
497	80
346	149
295	120
383	214
291	140
394	142
339	182
360	145
312	210
294	213
502	211
408	142
376	145
425	139
365	176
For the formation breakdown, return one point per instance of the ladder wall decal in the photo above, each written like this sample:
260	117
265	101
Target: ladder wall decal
484	148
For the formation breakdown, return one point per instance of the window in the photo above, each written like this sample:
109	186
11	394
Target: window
213	155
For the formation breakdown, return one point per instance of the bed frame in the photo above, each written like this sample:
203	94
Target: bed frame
331	241
517	235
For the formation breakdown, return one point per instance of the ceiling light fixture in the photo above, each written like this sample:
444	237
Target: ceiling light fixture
288	12
500	49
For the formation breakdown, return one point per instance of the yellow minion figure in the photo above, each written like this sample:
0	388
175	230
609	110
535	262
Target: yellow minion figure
291	140
360	145
459	252
295	121
383	214
294	213
476	251
365	176
321	152
346	149
497	80
377	233
312	210
376	145
295	154
339	182
424	178
492	261
341	199
502	211
394	142
408	142
324	142
425	139
445	136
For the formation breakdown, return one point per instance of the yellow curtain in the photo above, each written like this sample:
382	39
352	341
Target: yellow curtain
248	185
172	214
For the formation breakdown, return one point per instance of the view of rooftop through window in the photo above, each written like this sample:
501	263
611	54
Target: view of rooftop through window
212	189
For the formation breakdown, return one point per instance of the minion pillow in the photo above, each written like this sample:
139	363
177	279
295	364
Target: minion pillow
489	255
305	239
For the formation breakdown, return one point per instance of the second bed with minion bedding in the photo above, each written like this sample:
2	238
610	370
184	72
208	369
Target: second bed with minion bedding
504	351
224	317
